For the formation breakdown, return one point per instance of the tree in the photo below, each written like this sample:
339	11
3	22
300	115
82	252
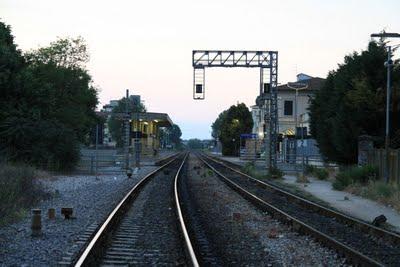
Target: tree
64	52
195	143
116	125
216	126
11	65
229	125
175	134
352	103
48	102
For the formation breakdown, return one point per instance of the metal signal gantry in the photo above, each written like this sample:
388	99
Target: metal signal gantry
267	61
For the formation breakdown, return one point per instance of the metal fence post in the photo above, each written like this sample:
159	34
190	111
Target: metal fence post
91	164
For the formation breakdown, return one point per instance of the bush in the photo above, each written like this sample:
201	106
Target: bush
355	175
18	189
321	174
249	168
275	173
309	169
342	181
44	144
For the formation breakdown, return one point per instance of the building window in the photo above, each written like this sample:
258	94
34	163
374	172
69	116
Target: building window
288	108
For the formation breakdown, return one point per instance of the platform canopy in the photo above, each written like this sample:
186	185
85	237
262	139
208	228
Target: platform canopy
162	119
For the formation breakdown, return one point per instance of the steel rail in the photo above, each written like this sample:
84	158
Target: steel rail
189	247
96	244
367	228
351	254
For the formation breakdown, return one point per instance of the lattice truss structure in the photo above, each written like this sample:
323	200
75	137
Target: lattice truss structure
267	61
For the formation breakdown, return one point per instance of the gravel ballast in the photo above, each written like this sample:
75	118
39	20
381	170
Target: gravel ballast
92	199
247	235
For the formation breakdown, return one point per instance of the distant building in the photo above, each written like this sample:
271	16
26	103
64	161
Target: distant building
287	108
109	107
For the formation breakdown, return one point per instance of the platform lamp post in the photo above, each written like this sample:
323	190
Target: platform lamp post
388	64
297	86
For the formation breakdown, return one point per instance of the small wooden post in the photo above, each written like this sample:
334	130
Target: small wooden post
36	225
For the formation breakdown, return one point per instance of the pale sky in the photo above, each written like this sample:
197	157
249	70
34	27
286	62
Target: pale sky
146	46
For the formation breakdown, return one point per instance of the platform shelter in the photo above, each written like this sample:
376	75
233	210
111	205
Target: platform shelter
145	129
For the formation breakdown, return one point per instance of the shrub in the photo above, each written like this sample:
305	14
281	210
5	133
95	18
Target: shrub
321	174
342	181
275	173
44	144
309	169
356	174
249	168
18	189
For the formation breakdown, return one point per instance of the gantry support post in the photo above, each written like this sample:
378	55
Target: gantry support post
267	100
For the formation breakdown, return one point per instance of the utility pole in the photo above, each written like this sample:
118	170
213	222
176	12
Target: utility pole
388	64
137	140
97	141
127	130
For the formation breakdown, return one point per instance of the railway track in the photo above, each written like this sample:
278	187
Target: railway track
146	227
361	243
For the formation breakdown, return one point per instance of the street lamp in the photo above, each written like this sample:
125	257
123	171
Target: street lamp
388	64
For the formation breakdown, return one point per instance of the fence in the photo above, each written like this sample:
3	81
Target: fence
111	162
90	164
377	157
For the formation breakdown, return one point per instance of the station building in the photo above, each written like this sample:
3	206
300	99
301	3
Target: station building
145	129
287	117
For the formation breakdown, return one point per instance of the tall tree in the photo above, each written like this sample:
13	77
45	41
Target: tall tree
11	65
48	105
115	124
229	125
352	102
216	126
175	135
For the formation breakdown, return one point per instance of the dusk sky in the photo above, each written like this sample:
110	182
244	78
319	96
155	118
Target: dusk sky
146	46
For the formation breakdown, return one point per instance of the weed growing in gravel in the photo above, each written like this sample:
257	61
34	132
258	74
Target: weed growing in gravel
302	179
18	191
249	169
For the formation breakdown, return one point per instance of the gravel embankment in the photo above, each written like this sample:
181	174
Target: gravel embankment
92	199
248	235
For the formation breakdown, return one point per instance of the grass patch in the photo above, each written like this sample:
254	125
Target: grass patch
19	190
387	194
352	175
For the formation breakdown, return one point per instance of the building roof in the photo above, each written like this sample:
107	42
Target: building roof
314	84
162	119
